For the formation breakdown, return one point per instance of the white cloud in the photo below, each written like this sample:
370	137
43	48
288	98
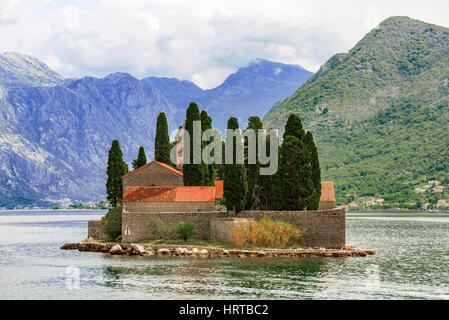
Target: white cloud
202	41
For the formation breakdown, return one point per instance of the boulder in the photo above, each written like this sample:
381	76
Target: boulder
181	251
70	246
105	249
116	249
148	252
204	252
195	251
164	251
100	247
138	249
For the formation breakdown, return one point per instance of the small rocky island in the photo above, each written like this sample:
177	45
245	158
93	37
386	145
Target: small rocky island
233	217
148	250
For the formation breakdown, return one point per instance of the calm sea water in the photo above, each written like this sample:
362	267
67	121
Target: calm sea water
412	262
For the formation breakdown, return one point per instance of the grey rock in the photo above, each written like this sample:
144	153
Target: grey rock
116	249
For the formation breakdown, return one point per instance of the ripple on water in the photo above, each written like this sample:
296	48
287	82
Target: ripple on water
411	262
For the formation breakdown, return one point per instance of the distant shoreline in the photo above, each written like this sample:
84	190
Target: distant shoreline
50	210
395	210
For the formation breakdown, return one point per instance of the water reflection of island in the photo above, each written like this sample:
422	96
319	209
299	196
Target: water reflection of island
212	278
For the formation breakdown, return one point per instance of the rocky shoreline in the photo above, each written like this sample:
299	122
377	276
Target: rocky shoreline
140	249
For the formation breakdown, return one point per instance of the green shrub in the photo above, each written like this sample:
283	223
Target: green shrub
185	230
161	229
112	222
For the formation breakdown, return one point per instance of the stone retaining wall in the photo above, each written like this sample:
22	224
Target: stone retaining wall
220	229
135	225
95	230
321	228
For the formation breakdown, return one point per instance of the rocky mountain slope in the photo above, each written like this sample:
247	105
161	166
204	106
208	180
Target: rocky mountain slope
18	70
380	112
250	91
55	133
54	140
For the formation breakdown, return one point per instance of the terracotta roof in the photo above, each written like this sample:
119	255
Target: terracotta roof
168	194
327	191
152	163
218	189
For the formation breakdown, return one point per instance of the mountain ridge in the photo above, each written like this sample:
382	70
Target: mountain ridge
369	107
23	70
247	92
54	137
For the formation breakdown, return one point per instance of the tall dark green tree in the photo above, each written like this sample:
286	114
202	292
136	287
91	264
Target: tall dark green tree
294	128
162	145
193	173
296	183
220	167
206	121
296	176
252	170
234	185
209	174
268	191
115	170
141	159
315	170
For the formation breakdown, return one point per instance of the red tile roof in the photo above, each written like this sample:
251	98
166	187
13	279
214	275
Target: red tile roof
168	194
152	163
327	191
218	189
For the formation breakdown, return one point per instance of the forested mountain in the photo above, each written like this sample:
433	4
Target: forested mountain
380	113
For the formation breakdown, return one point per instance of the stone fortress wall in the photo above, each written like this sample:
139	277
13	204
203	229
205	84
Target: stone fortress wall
321	228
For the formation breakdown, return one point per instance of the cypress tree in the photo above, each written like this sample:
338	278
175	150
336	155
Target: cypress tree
220	167
295	168
269	187
206	121
294	128
141	159
315	170
162	144
209	170
234	185
193	173
296	183
115	170
252	170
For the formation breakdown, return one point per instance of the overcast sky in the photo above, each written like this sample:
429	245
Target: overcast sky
202	41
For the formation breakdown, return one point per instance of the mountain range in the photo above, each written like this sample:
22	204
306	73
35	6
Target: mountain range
250	91
55	132
380	113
